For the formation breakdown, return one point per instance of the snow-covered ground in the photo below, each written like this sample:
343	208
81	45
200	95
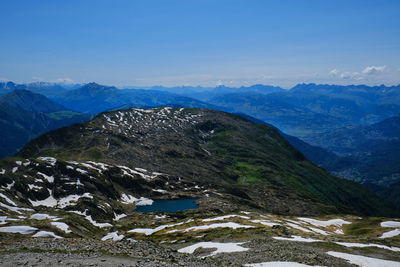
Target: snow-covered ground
319	223
21	229
89	218
212	226
277	264
220	247
364	261
8	199
264	222
43	216
150	231
361	245
129	199
221	218
62	226
297	239
392	224
389	234
46	234
114	236
63	202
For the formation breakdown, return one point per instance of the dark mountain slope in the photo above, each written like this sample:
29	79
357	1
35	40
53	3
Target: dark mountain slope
376	147
25	115
319	156
247	163
29	101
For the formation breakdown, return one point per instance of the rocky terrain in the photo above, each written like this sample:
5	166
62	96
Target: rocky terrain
70	197
236	239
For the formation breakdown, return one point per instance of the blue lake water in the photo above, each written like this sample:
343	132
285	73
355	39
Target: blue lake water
169	205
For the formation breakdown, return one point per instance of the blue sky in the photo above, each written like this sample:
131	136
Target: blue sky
204	42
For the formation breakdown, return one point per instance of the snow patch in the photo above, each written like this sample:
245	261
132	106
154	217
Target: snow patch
220	248
43	216
34	187
50	160
221	218
21	229
213	226
319	223
265	222
390	224
113	236
277	264
363	261
297	239
129	199
50	201
295	226
50	179
62	226
14	209
118	217
89	218
150	231
8	199
60	203
361	245
46	234
389	234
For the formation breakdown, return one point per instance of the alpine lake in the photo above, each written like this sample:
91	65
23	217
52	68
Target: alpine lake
169	205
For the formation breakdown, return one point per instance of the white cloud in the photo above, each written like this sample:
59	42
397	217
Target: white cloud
354	75
2	79
334	73
370	70
37	79
350	75
64	80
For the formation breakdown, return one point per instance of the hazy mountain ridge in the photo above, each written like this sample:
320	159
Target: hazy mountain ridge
94	98
309	108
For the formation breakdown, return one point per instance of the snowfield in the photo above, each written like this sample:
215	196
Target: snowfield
46	234
221	218
319	223
220	248
390	224
360	245
21	229
364	261
213	226
297	239
113	236
389	234
277	264
62	226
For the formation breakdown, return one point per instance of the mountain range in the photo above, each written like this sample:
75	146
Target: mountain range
319	114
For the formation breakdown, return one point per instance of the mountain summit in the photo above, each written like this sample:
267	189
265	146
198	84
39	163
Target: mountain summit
243	163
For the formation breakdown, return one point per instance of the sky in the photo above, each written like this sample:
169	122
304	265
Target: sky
203	42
